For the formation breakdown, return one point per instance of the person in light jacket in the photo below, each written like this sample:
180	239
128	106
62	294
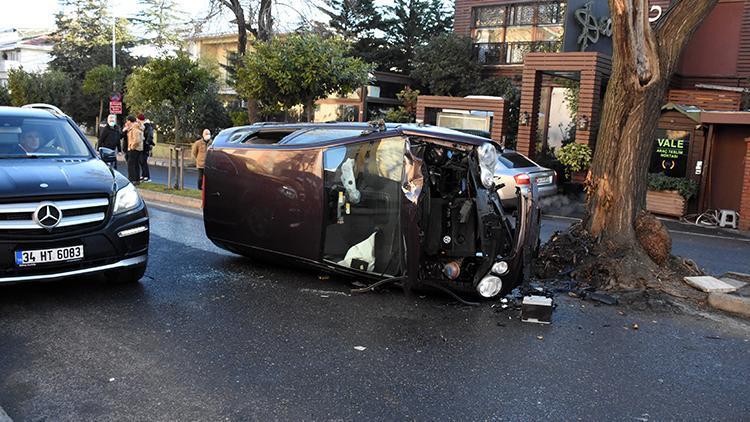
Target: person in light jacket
134	135
199	154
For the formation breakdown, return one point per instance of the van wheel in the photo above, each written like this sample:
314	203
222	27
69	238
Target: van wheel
127	276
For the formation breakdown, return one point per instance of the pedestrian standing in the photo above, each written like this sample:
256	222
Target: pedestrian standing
199	154
109	136
148	145
134	130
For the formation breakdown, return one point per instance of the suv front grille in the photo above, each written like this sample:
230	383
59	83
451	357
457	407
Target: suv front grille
74	214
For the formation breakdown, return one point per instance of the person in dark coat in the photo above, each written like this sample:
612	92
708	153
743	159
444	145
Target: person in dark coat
109	136
148	145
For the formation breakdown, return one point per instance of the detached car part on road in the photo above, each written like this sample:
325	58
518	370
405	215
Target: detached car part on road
63	211
389	202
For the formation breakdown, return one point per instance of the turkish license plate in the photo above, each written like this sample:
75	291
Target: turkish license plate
44	256
545	180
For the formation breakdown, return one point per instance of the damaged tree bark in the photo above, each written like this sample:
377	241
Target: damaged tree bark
644	60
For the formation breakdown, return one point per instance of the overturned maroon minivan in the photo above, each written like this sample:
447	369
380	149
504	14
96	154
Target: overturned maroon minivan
404	203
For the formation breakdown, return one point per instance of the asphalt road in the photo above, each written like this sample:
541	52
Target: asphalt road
211	336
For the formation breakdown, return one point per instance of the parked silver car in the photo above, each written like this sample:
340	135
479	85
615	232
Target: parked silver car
517	170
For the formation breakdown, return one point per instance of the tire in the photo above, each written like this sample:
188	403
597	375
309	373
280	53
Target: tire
127	276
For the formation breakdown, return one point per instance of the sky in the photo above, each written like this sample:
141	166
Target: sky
41	13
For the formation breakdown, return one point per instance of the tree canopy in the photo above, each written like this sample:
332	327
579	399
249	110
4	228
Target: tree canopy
413	23
83	41
446	66
179	95
51	87
163	22
299	69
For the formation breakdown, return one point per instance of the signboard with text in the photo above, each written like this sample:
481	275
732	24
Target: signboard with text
115	107
670	153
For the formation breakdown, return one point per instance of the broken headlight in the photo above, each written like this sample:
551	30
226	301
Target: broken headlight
490	286
487	161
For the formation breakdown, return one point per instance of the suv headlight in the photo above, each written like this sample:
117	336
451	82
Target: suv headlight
127	199
487	161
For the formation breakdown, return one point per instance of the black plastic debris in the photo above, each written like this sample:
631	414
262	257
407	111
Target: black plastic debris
602	298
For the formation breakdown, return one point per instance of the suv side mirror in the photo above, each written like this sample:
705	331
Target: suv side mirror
108	155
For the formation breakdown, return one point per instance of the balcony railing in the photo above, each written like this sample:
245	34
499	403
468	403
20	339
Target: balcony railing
511	52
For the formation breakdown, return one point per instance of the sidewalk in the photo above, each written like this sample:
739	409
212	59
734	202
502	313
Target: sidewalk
574	207
159	162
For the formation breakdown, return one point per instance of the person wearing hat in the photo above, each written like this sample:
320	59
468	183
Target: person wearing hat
109	136
148	145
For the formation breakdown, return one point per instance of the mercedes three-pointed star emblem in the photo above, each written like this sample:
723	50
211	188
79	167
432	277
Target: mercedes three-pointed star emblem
47	215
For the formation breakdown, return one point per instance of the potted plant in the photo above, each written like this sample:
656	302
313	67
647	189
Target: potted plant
576	158
669	195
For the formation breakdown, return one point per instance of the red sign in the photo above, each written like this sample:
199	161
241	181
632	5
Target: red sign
115	107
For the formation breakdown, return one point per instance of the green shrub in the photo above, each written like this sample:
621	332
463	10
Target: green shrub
661	182
575	157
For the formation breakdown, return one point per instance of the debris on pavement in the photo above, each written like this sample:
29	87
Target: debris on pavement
730	303
602	298
733	282
360	348
710	284
537	309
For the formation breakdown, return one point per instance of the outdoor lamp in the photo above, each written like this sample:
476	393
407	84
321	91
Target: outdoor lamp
523	119
583	123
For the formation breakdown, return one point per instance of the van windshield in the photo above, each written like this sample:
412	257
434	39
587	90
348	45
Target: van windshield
39	138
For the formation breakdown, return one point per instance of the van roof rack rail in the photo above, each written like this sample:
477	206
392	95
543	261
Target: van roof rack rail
42	106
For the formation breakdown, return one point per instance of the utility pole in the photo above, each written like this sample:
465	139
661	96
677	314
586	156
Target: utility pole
114	58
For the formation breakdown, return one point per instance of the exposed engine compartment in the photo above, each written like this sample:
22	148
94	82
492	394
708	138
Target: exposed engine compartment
454	232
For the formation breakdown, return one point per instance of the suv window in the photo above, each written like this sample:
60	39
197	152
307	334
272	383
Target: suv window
38	137
266	137
514	160
315	136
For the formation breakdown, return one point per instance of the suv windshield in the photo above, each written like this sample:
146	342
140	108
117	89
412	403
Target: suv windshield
38	137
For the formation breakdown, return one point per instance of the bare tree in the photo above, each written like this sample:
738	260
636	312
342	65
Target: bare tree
644	60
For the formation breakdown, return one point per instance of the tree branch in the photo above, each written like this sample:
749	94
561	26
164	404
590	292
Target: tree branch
677	26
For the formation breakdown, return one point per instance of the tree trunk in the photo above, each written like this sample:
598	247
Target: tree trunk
99	119
265	21
252	111
644	60
239	16
310	110
176	129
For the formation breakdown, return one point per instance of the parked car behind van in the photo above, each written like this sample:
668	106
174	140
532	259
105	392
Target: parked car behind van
516	170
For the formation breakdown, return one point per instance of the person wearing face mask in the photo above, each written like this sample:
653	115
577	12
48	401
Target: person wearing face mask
110	135
199	154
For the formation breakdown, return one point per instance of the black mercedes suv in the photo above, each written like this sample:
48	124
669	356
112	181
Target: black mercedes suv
63	211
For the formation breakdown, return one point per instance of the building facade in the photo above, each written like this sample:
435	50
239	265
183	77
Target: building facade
27	48
548	47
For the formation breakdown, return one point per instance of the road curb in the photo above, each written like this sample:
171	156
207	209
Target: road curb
730	303
170	199
4	416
